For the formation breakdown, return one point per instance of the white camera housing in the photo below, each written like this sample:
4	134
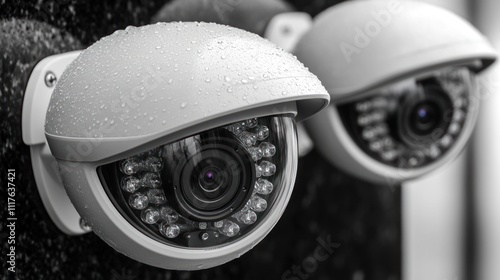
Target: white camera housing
142	88
362	49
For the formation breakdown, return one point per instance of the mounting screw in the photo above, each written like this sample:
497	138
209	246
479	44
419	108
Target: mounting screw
84	225
286	30
50	79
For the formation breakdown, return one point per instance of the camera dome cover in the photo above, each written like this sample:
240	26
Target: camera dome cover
140	84
374	43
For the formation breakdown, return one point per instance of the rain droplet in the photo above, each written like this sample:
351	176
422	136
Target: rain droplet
183	105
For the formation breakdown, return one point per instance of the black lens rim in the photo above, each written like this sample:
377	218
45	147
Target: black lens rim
190	179
433	96
421	128
239	191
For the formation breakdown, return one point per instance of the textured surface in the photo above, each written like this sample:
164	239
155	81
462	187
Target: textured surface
363	219
128	84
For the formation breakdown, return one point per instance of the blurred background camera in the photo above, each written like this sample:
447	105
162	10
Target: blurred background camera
405	96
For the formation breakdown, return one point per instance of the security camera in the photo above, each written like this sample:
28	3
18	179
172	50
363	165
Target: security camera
175	142
402	76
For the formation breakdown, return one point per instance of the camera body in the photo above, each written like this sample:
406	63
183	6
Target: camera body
402	77
175	143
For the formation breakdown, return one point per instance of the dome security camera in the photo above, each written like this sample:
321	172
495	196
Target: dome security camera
175	143
402	76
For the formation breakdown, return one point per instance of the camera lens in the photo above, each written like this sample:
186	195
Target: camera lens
423	114
425	117
214	182
213	176
414	122
210	179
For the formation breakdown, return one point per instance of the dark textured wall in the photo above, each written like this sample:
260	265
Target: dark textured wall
327	205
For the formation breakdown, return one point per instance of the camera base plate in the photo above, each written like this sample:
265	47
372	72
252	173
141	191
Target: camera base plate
45	168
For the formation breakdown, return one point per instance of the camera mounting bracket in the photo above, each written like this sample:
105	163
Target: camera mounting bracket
45	168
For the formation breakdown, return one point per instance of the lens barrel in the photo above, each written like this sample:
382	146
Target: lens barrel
215	182
423	114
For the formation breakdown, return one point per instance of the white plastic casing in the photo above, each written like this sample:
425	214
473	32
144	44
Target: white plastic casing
286	29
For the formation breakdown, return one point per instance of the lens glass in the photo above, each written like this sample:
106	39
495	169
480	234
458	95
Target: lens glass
215	180
212	178
208	189
423	112
425	116
209	178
